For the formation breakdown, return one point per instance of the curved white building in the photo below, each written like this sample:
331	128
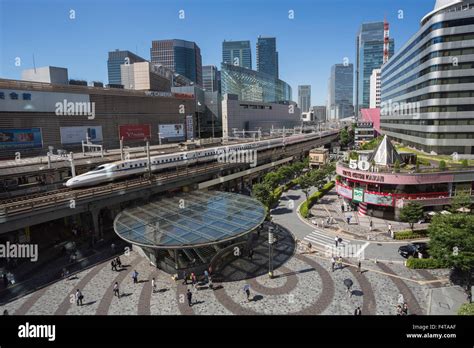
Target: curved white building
428	86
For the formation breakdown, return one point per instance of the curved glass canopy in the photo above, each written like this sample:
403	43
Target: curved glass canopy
189	220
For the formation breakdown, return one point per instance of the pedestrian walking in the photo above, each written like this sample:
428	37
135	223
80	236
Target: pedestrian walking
118	262
5	312
359	266
5	280
247	291
328	220
336	241
193	279
333	263
348	220
342	208
206	276
405	309
358	311
153	285
370	225
251	254
112	263
189	295
79	297
135	277
399	310
116	290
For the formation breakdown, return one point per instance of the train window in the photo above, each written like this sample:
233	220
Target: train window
123	165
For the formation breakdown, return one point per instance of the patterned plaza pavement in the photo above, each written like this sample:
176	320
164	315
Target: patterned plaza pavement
302	284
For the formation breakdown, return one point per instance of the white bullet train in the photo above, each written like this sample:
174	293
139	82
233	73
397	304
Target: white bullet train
118	170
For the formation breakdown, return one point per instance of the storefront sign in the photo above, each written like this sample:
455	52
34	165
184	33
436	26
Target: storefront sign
344	191
376	199
358	194
20	138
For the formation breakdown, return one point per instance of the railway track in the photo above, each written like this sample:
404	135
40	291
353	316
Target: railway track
18	205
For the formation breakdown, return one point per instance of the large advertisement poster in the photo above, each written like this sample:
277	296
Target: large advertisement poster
189	127
378	199
74	135
344	191
171	131
358	194
134	131
20	138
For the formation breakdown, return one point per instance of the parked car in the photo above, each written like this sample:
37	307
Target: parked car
414	249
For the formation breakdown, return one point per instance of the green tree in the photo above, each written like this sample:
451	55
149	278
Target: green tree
263	192
318	178
286	172
452	240
273	179
411	213
306	182
442	165
461	200
344	137
464	163
298	168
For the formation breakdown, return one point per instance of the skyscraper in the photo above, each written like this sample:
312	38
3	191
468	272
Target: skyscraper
340	92
237	53
209	78
267	56
304	97
370	46
117	58
375	85
183	57
428	86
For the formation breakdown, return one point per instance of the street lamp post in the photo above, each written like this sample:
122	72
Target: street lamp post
271	240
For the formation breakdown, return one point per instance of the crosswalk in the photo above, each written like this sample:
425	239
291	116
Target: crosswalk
320	239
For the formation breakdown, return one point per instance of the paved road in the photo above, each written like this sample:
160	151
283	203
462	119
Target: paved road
286	215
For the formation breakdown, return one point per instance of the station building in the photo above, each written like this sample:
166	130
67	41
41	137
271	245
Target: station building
377	187
36	115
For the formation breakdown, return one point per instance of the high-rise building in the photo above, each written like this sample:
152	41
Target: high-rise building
117	58
304	97
267	56
375	85
251	85
371	52
209	78
428	86
319	113
237	53
340	92
183	57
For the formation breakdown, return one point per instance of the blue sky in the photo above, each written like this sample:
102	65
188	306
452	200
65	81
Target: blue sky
321	34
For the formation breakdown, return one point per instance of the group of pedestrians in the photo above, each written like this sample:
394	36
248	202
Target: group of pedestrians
116	263
206	277
402	309
336	261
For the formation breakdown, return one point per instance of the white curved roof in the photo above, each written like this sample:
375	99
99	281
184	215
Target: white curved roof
440	5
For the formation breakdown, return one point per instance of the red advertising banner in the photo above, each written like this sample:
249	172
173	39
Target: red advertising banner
135	131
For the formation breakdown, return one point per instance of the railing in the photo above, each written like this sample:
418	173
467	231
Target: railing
413	171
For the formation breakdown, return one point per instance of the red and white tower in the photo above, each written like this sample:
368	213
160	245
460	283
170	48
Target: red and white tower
386	41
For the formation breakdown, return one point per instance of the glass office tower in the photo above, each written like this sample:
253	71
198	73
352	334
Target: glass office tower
304	97
237	53
369	56
267	56
340	92
209	78
183	57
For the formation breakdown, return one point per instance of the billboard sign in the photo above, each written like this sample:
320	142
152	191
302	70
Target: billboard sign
189	127
75	135
171	131
358	194
372	198
134	131
20	138
344	191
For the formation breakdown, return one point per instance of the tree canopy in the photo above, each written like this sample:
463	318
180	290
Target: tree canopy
411	213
